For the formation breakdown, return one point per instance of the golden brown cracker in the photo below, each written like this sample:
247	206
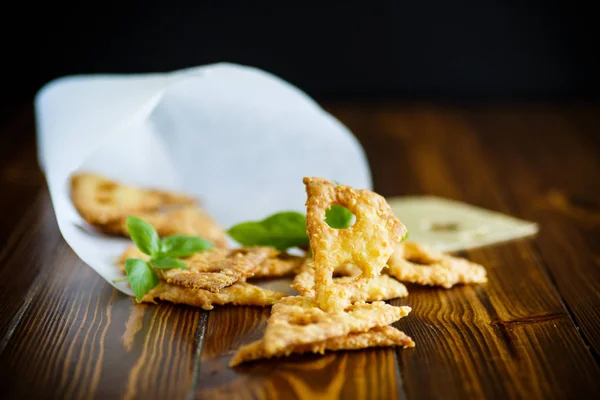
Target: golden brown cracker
346	270
298	320
185	221
101	201
219	268
380	288
210	270
412	262
240	294
283	265
368	243
381	336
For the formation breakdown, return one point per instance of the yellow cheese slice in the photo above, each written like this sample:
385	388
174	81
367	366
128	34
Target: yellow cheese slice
448	225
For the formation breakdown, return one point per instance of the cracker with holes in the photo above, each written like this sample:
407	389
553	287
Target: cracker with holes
412	262
381	336
101	201
382	287
368	243
106	204
215	270
239	294
298	320
211	270
185	221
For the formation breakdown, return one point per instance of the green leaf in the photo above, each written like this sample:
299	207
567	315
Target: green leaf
141	277
167	263
183	245
281	230
143	235
338	217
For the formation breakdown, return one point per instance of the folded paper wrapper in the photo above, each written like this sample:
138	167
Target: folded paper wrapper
238	138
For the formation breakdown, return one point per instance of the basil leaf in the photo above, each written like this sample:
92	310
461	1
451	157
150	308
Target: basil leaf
281	230
338	217
141	277
183	245
167	263
143	235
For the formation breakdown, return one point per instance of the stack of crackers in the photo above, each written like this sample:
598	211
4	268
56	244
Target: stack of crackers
106	204
342	285
339	313
215	277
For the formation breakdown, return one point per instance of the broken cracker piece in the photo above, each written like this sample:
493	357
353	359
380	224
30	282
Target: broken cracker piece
380	336
101	201
382	287
368	243
210	270
412	262
239	294
184	221
214	270
298	320
282	265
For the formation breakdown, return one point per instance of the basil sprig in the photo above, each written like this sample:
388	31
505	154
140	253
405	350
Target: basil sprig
287	229
163	254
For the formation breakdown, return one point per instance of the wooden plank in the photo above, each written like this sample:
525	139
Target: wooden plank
470	354
66	333
475	341
20	179
28	245
24	215
384	145
564	198
78	337
361	374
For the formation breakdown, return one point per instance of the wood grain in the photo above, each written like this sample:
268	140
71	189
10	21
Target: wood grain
565	199
487	321
360	374
21	261
78	337
532	332
23	200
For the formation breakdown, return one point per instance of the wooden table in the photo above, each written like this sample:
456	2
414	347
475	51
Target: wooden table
532	332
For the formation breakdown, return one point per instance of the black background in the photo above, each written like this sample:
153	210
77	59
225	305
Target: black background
456	51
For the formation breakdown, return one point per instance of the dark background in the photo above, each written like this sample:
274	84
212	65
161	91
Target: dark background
456	51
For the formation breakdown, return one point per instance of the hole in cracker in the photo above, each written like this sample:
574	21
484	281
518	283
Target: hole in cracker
339	217
420	260
345	270
101	199
443	226
209	268
107	186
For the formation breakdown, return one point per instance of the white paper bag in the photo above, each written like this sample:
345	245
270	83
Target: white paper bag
237	137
